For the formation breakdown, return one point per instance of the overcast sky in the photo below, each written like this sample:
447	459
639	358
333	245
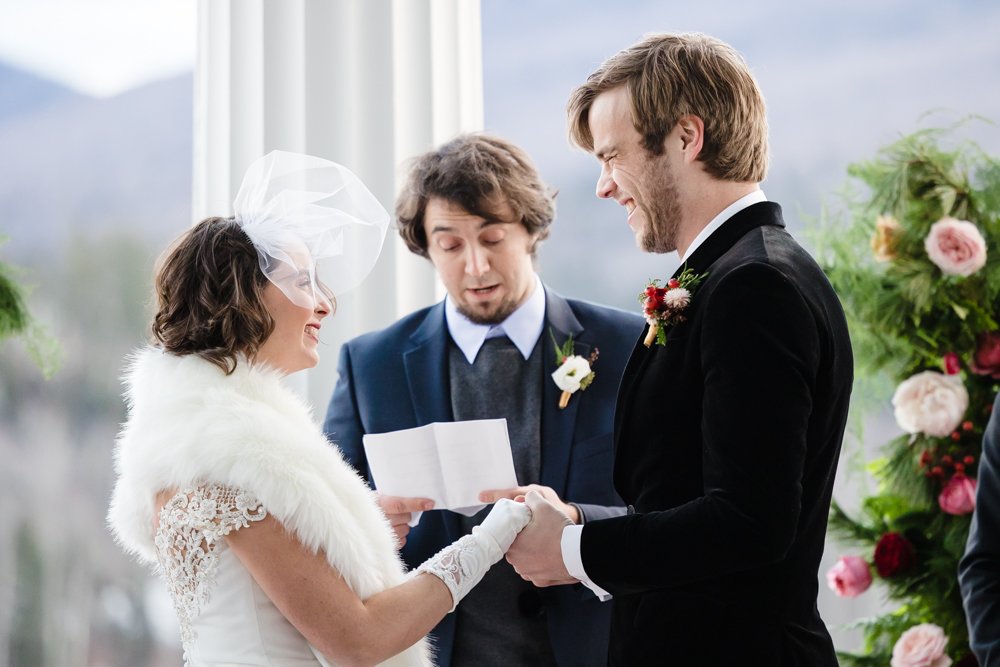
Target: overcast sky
99	47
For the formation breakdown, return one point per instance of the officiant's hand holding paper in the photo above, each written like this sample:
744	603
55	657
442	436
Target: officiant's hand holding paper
447	463
400	511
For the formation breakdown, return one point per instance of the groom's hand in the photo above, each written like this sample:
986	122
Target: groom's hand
546	492
399	510
537	552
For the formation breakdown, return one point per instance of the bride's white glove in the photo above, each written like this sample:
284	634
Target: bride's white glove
461	565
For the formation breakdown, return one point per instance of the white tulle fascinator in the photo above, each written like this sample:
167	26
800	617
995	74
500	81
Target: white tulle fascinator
316	227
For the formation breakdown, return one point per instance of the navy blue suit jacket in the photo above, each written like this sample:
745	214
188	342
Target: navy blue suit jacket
979	569
398	378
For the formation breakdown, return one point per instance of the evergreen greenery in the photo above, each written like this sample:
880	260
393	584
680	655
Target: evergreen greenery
16	321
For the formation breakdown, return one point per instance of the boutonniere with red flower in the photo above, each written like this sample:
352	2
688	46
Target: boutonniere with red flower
573	373
665	306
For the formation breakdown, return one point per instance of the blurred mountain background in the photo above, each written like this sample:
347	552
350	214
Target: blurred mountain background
91	189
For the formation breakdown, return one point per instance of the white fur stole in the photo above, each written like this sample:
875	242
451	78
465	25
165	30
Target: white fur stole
190	424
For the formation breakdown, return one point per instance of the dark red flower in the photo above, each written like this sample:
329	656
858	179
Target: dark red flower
951	363
893	554
986	360
654	300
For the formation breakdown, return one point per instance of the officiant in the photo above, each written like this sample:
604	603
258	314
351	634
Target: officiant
500	345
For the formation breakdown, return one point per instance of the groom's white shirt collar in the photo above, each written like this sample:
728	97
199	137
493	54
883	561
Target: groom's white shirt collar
743	202
523	326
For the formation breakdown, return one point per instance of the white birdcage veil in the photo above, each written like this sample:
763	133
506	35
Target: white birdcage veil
313	222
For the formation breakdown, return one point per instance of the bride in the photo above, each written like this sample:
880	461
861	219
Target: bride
273	549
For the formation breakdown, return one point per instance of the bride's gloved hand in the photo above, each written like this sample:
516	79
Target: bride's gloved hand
462	564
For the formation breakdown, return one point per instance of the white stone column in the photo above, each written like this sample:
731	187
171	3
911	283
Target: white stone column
367	83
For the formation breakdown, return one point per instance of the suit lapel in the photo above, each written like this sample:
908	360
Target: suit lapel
558	425
426	363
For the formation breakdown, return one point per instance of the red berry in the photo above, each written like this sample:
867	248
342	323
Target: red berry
946	460
673	283
937	471
966	426
969	460
959	468
956	436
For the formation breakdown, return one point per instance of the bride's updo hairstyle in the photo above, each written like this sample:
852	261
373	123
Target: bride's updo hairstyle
209	290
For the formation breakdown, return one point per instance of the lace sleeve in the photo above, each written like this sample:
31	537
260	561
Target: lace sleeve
192	524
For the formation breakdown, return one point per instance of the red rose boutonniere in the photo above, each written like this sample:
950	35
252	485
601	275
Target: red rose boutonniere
665	306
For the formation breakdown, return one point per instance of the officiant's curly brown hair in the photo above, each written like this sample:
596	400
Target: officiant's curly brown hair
477	172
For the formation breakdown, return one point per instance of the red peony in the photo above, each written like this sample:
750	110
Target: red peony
986	360
893	554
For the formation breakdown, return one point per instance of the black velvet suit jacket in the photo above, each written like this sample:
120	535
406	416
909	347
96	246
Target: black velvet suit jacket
979	570
726	445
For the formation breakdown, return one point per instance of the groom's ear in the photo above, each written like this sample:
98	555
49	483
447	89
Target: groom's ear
691	132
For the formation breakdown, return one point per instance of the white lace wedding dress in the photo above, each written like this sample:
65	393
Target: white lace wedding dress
226	619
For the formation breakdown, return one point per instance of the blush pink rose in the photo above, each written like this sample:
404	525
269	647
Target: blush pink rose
850	577
956	247
958	496
921	646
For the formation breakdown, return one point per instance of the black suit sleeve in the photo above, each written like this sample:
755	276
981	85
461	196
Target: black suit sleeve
342	425
759	349
979	569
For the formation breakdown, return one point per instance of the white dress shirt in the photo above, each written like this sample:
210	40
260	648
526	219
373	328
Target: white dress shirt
523	326
571	535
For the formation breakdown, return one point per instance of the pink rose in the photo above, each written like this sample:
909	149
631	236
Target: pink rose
986	360
850	577
959	495
956	247
921	646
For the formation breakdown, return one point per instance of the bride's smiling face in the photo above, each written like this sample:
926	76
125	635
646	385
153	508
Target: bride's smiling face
292	344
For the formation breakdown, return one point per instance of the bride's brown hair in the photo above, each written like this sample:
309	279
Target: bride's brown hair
209	290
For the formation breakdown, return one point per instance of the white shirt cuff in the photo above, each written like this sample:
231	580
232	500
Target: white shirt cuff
570	546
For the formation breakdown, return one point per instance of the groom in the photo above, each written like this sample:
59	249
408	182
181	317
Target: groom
727	436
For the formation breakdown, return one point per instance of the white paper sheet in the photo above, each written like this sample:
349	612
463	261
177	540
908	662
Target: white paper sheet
448	462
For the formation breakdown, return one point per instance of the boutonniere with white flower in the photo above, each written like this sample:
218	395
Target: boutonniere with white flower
573	372
665	306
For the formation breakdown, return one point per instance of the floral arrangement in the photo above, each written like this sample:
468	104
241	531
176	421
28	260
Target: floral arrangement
923	308
664	306
573	373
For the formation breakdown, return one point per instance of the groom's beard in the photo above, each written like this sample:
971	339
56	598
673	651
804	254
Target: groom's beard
663	210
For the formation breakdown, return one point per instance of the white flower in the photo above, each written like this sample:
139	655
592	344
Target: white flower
677	298
930	402
921	646
568	376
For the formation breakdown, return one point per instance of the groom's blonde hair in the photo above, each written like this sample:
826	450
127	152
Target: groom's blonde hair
672	75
